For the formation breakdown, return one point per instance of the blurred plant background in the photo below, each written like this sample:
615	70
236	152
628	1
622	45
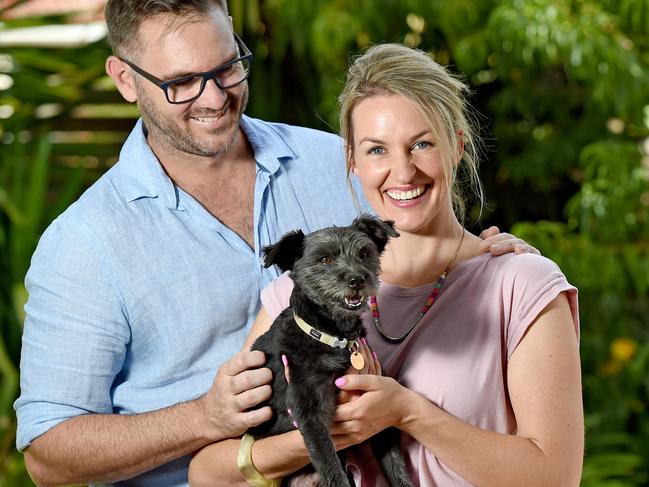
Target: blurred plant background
563	87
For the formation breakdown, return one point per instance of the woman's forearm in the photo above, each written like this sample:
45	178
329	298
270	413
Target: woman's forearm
487	458
274	457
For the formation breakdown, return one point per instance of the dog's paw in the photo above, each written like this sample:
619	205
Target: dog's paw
306	477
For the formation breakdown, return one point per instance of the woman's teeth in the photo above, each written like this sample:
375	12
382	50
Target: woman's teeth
405	195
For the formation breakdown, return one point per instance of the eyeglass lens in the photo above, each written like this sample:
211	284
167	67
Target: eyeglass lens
186	89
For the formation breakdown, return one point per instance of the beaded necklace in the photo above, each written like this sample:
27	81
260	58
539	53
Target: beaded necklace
427	305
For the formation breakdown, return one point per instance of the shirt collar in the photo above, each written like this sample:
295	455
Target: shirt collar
144	176
267	144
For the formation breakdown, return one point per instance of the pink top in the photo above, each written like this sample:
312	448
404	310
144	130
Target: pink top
457	355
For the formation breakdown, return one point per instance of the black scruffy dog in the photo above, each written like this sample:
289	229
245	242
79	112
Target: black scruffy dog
334	270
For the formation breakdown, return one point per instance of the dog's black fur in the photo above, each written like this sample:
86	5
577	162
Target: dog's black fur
334	270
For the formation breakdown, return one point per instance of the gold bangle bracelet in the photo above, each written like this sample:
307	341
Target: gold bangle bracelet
247	468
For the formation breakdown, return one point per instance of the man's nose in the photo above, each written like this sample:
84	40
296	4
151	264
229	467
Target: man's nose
212	96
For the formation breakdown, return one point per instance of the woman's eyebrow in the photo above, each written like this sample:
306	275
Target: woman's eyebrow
370	139
379	141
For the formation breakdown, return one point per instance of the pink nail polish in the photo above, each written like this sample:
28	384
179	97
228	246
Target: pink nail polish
284	360
340	381
295	424
364	341
375	355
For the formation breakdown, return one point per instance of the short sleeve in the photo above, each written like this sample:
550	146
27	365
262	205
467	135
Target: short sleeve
533	283
276	297
75	333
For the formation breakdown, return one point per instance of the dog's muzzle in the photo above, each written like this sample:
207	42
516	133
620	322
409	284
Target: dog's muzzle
354	300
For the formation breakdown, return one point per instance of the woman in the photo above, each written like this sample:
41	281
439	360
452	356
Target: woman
480	352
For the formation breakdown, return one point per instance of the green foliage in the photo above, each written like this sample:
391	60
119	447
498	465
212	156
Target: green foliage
603	248
36	184
564	89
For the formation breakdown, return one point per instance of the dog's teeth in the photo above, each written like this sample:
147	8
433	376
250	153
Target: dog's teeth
354	302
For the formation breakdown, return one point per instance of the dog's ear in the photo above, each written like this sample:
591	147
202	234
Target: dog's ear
286	251
379	231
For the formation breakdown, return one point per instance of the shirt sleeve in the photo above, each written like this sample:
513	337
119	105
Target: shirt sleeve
275	297
75	333
534	281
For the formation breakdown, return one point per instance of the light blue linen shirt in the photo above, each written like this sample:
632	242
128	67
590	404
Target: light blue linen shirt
137	294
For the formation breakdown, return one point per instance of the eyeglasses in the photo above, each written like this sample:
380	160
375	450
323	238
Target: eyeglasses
188	88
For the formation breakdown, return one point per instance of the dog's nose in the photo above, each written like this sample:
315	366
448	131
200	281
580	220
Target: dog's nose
356	282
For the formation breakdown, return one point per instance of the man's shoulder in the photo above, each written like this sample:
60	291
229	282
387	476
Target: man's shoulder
100	205
105	192
296	136
289	130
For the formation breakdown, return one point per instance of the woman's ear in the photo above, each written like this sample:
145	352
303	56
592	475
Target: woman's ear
460	146
122	75
349	153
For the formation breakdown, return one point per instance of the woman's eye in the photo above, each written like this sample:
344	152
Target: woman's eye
376	151
326	260
422	144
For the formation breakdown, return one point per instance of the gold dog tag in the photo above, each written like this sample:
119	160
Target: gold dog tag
358	362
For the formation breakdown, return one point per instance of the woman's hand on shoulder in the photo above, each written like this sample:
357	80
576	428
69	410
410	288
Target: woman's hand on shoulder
499	243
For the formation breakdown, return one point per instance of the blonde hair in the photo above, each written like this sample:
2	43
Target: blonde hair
440	98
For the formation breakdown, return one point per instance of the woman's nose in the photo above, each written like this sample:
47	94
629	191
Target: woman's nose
403	168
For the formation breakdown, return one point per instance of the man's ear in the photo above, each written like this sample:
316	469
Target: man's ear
285	252
122	76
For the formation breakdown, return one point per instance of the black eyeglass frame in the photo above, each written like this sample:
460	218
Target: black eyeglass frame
207	75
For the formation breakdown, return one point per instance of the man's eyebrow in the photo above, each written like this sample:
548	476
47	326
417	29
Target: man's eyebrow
178	74
182	74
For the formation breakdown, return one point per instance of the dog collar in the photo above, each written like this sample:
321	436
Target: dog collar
355	357
321	336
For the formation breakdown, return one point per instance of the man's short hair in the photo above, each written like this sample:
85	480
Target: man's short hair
124	17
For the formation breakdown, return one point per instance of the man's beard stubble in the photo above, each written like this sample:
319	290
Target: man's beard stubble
174	137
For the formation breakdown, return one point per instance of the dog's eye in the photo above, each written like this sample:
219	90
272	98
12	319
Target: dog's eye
326	260
364	254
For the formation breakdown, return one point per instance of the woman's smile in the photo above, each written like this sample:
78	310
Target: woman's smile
399	164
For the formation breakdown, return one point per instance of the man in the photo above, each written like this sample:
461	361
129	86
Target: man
150	281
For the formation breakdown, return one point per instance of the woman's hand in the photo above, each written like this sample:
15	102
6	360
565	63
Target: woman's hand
371	365
379	402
